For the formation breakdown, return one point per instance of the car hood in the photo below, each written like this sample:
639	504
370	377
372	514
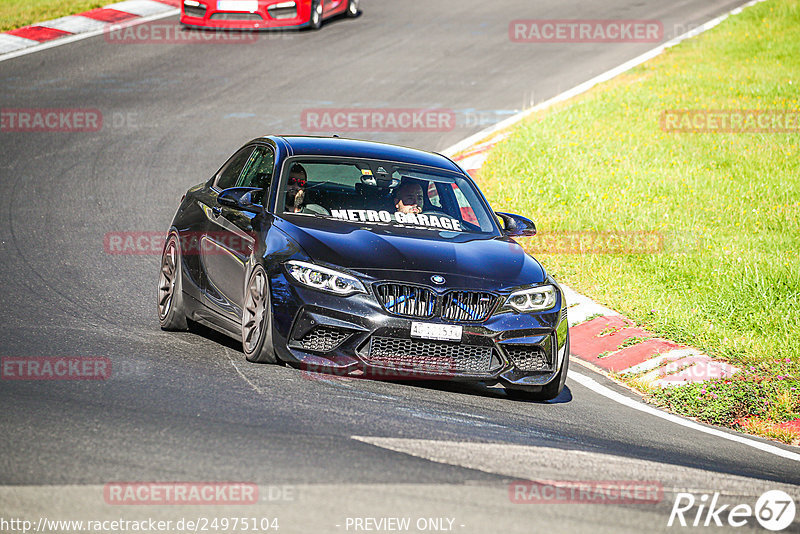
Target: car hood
470	259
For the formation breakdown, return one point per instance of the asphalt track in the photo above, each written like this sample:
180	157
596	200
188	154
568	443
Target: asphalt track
187	406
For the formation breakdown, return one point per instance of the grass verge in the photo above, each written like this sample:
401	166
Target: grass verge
16	14
725	276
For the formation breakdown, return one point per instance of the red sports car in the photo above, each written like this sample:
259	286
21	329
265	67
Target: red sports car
263	14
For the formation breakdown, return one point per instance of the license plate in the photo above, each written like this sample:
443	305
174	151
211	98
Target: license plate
237	5
444	332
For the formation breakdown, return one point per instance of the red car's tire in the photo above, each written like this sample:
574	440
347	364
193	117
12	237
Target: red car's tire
315	19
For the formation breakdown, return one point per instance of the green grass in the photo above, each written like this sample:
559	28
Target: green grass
728	205
16	13
745	395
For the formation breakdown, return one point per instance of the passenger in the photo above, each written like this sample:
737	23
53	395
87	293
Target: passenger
408	198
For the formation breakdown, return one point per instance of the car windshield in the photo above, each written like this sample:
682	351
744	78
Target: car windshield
367	192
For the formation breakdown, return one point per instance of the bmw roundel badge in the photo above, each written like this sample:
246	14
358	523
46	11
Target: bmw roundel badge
438	279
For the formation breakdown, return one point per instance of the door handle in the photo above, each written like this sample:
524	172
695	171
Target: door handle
217	211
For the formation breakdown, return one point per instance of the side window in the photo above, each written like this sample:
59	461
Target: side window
433	195
467	213
228	176
259	169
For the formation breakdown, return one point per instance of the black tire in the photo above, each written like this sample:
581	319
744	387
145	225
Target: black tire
352	8
548	392
315	20
171	312
256	323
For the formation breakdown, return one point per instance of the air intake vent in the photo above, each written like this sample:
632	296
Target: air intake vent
322	339
276	12
235	16
408	301
467	306
429	356
194	11
529	358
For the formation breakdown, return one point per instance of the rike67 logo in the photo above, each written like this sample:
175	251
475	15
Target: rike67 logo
774	510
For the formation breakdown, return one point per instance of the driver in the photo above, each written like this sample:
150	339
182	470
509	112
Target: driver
295	189
296	193
408	198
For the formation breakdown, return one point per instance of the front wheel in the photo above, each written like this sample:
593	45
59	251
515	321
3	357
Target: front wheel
256	327
548	392
315	22
171	313
352	8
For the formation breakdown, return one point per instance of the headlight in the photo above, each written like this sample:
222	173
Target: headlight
533	299
324	279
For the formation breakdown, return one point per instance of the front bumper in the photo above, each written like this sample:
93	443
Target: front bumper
356	337
266	15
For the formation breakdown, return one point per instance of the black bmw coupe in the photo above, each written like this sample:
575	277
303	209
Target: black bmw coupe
363	259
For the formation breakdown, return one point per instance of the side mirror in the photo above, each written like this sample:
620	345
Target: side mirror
241	198
517	225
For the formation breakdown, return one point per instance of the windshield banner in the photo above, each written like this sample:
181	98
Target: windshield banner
417	219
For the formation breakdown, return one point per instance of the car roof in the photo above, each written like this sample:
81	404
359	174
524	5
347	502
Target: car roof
306	145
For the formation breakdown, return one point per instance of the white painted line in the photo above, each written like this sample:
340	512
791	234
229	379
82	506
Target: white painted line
541	463
585	86
74	24
485	146
636	405
77	37
653	363
582	307
142	8
475	162
685	363
10	43
586	310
